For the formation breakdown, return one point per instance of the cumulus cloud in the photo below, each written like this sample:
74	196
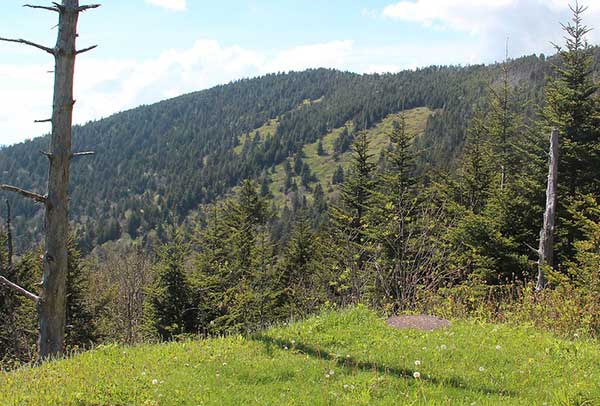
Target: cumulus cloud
176	5
530	24
104	86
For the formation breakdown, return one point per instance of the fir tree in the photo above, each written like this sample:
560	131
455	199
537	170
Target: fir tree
320	149
572	106
338	176
350	217
170	311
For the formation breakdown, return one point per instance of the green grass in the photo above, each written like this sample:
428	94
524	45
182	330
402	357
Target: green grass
338	358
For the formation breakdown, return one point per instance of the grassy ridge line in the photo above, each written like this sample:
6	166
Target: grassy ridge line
338	358
324	166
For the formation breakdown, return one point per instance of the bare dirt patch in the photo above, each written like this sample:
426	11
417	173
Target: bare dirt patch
418	322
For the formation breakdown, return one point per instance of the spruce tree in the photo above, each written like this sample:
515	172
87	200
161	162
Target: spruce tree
572	106
170	311
349	218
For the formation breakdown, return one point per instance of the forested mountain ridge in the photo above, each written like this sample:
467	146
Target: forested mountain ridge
156	163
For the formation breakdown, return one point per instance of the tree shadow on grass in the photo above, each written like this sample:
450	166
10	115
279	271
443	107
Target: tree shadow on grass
368	366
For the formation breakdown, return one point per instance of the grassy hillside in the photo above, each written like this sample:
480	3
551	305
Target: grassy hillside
324	166
338	358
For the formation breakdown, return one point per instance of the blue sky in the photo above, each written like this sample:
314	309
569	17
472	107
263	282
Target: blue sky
155	49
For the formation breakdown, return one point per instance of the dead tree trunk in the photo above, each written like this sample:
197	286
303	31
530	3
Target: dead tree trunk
52	299
546	247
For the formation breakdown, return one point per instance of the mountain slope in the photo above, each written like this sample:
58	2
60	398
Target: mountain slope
338	358
155	164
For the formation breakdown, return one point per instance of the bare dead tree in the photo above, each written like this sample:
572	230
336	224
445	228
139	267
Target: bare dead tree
546	247
52	299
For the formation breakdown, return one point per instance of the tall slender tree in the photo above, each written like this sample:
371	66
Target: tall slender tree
349	218
572	107
52	300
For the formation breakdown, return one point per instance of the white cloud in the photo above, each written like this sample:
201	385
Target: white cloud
333	54
103	87
529	24
176	5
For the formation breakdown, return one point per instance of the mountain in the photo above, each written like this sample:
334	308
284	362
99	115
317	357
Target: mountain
155	164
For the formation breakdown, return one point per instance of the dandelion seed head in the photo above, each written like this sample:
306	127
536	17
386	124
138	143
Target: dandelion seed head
155	382
498	347
331	372
443	347
481	369
417	362
416	374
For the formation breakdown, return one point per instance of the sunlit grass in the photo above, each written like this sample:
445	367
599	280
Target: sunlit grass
339	358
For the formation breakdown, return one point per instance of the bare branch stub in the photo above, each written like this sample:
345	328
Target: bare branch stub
33	44
55	9
87	7
47	154
19	289
86	49
25	193
86	153
48	120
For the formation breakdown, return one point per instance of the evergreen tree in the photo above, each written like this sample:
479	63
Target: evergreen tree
338	176
81	328
170	311
301	269
320	149
349	218
572	106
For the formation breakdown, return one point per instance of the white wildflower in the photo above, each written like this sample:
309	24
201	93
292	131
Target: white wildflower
498	347
417	362
331	372
481	369
155	382
416	374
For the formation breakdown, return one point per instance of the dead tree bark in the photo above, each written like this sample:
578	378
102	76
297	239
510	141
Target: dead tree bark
9	240
52	299
546	247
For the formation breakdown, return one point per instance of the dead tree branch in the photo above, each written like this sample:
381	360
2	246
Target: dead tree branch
33	44
78	154
86	49
87	7
17	288
55	9
25	193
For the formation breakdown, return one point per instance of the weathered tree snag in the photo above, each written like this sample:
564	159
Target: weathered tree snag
52	300
546	247
9	241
